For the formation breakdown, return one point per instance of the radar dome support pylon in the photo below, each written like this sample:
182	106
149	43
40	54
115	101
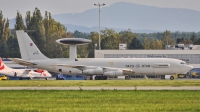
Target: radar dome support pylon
73	42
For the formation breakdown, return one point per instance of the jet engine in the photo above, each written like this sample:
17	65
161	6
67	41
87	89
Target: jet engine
114	73
96	71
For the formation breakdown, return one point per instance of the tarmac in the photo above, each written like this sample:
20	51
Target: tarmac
106	88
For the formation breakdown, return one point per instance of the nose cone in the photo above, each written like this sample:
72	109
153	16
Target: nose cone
49	75
190	67
186	68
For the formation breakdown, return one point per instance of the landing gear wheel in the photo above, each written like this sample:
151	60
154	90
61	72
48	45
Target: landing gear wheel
100	77
96	77
171	77
104	77
127	77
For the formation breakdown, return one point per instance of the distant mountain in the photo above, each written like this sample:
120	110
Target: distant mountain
136	17
72	28
139	18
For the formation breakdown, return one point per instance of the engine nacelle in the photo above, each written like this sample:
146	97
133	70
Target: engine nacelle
96	71
114	73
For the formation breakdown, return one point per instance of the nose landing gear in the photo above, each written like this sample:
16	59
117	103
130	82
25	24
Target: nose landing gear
171	77
174	76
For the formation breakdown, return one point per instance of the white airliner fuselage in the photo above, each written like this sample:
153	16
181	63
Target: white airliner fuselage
139	66
31	56
22	73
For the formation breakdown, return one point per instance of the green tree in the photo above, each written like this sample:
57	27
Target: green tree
109	39
6	32
82	51
78	34
146	44
13	47
19	25
193	38
94	37
197	42
152	44
110	42
167	40
159	44
53	31
4	29
126	37
35	22
28	21
179	40
2	22
135	44
4	50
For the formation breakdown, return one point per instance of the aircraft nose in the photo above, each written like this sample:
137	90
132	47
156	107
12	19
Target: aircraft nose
188	67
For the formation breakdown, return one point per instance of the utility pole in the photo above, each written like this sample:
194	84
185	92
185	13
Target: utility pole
99	22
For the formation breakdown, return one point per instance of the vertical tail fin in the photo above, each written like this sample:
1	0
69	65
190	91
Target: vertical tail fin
2	65
28	49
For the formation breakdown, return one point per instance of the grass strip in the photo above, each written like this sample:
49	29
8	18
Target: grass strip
99	101
79	83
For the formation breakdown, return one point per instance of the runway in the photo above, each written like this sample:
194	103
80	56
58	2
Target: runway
105	88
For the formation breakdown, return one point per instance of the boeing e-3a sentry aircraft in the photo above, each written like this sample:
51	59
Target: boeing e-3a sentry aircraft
101	67
23	73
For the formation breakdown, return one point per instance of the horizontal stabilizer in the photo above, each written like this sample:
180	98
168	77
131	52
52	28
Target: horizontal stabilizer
22	62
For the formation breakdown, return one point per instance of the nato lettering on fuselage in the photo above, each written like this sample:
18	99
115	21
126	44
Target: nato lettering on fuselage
146	66
137	66
129	66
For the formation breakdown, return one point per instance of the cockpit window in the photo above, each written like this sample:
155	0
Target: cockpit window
183	63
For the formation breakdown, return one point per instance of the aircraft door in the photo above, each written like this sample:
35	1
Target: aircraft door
15	74
137	69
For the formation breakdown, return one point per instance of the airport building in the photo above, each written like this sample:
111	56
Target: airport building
188	53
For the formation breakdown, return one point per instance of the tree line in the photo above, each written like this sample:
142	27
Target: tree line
44	31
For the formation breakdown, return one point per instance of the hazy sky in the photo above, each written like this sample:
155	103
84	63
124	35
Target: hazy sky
10	7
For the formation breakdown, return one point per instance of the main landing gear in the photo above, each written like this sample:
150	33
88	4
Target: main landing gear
97	77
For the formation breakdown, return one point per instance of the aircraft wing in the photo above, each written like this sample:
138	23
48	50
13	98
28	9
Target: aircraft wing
84	67
22	62
81	67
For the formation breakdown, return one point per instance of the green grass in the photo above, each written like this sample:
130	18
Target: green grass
80	83
99	101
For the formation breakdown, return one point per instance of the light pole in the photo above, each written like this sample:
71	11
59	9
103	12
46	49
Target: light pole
99	21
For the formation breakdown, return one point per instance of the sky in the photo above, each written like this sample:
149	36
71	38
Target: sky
9	7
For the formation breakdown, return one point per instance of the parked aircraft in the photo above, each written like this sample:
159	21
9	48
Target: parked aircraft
23	73
102	67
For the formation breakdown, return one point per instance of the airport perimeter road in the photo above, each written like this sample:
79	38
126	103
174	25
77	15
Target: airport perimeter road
104	88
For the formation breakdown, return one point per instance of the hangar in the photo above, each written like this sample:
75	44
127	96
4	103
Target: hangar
188	53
